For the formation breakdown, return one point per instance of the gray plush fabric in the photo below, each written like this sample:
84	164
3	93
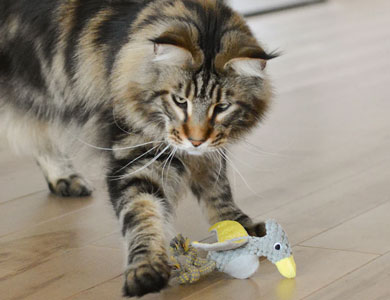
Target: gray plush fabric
264	246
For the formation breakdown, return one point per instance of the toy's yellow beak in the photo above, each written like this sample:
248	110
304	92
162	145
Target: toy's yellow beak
287	267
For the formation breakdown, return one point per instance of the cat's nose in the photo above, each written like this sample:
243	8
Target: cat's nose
196	143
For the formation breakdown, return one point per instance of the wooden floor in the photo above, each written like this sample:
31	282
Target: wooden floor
321	167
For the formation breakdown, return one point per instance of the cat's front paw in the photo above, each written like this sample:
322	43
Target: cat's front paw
257	229
146	276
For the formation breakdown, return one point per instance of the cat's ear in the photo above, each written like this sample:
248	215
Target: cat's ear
248	61
172	55
175	48
249	67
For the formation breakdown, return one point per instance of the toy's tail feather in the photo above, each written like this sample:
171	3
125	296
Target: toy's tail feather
180	244
188	267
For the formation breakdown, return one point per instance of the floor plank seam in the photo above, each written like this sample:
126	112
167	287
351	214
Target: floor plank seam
48	220
341	277
86	245
342	250
105	236
323	188
23	196
320	82
341	223
92	287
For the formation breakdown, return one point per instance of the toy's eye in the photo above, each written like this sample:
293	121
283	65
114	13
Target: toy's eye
221	107
277	246
180	101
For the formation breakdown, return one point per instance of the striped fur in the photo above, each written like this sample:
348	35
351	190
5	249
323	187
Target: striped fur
165	84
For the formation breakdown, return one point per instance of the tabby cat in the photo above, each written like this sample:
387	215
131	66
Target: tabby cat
164	84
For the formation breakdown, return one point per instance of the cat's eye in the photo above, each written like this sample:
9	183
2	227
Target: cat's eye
180	101
221	107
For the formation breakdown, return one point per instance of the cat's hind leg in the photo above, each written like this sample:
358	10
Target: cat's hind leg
30	136
62	178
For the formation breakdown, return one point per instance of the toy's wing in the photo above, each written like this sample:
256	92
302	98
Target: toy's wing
230	235
221	246
229	231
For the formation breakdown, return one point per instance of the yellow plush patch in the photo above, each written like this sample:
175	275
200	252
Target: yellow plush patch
186	245
229	230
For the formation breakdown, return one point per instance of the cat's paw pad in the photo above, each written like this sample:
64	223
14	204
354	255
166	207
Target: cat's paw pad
72	186
148	276
257	229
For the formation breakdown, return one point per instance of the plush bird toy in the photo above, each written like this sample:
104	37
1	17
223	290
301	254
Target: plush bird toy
236	253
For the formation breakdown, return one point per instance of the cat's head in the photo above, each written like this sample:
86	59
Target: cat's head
194	75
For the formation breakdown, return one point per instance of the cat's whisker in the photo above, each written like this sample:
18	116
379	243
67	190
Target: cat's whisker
257	150
170	160
116	123
219	172
143	167
124	148
169	165
228	160
221	154
242	161
135	159
174	153
163	169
